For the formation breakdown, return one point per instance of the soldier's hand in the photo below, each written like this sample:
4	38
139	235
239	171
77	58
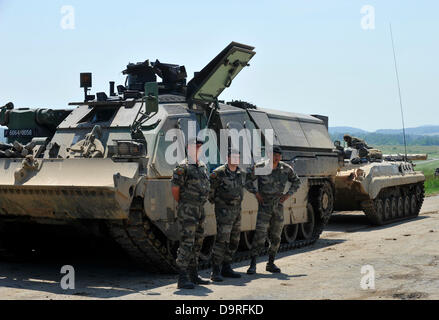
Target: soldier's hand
259	197
284	198
176	193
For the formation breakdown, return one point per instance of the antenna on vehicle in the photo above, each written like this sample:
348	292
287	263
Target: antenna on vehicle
399	92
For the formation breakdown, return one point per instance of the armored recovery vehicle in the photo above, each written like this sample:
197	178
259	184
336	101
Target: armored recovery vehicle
386	188
106	167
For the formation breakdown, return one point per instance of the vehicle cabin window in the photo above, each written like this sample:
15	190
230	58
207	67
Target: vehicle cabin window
317	135
99	115
263	123
241	118
241	121
201	120
161	163
289	132
191	123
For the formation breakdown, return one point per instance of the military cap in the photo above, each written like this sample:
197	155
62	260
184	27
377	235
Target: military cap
197	141
277	149
231	151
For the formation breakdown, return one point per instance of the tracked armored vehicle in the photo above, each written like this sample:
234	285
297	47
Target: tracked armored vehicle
386	190
107	168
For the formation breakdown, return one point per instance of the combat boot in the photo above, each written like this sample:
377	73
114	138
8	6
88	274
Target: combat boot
227	272
271	267
183	281
216	274
252	269
195	278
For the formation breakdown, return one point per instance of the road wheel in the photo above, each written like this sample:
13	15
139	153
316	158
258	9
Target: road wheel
406	206
413	205
379	211
323	200
387	209
394	207
419	192
289	233
400	207
306	229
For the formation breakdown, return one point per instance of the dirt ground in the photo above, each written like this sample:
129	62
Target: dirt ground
404	258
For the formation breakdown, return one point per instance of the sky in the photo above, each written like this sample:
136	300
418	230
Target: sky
313	57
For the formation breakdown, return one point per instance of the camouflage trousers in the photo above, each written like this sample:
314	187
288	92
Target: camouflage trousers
190	219
228	224
270	220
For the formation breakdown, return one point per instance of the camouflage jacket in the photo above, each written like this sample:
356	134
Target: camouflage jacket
193	180
226	187
272	186
357	143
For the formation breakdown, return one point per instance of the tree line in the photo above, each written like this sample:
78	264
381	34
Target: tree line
392	139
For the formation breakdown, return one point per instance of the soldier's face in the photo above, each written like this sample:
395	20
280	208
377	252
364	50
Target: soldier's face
233	159
276	158
193	151
198	150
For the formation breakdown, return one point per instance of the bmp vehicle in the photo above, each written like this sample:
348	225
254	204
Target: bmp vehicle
387	189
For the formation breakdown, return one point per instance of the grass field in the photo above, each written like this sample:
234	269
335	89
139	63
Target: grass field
432	182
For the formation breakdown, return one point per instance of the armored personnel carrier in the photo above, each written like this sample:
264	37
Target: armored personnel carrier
106	167
386	188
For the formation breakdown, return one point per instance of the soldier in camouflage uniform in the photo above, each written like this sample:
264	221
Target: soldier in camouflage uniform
364	151
269	190
354	142
226	192
190	188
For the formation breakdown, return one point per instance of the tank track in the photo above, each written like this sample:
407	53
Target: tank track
147	245
379	216
142	241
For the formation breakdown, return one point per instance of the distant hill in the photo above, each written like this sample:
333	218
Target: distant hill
419	131
423	136
423	130
344	130
381	139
